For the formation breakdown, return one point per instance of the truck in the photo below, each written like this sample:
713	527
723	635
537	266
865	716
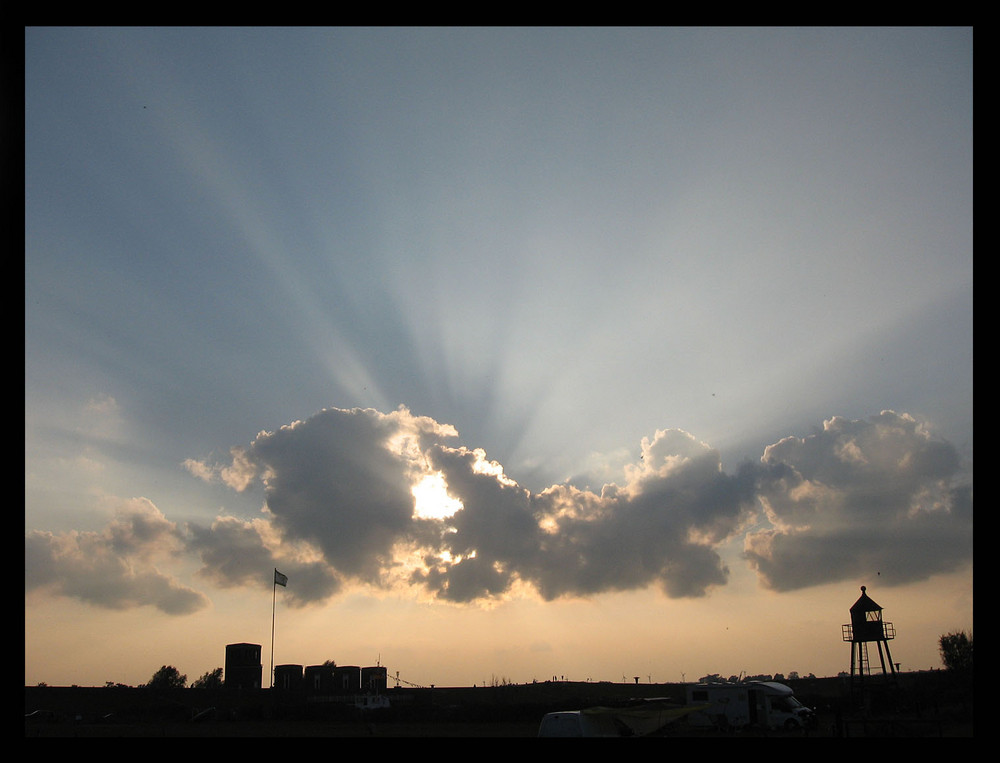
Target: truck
764	704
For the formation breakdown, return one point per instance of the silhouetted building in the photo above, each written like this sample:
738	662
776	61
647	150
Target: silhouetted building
315	683
342	680
867	627
318	679
374	680
288	678
347	679
243	666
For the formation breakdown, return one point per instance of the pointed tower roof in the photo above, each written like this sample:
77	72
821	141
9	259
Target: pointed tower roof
865	604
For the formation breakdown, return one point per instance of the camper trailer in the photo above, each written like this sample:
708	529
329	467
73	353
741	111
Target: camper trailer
764	704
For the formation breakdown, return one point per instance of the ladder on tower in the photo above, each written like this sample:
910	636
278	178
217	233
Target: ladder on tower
864	665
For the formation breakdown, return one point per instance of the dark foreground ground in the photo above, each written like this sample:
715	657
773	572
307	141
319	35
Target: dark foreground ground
925	705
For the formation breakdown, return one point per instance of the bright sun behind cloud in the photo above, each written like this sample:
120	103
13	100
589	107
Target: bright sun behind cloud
431	499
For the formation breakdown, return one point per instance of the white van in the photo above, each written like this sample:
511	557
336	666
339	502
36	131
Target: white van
756	703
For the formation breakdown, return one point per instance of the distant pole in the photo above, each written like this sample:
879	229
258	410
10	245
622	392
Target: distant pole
274	592
279	580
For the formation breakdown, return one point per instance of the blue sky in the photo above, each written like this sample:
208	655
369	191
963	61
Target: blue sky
588	279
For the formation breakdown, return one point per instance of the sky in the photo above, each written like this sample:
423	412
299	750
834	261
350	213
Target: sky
525	353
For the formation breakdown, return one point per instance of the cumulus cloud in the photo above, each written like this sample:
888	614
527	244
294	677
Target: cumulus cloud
342	483
662	526
859	498
236	553
852	499
115	568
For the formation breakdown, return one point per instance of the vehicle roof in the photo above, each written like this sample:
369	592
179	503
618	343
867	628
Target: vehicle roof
774	686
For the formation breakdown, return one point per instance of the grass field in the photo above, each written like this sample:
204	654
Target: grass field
924	705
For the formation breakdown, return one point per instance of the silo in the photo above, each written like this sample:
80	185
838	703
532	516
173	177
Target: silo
243	667
374	680
347	679
288	677
318	679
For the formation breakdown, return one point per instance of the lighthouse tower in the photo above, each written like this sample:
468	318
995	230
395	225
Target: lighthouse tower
866	627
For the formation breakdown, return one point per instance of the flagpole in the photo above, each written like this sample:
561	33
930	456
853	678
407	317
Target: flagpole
279	580
274	590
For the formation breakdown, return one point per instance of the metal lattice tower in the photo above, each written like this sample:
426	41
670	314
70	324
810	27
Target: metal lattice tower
867	627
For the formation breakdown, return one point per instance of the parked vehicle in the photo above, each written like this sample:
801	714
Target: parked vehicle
640	719
765	704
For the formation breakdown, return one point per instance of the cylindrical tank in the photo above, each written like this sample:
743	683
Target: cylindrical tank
318	679
346	679
288	677
374	679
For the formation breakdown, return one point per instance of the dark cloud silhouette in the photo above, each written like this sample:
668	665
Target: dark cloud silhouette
235	553
853	498
860	497
115	568
341	483
660	527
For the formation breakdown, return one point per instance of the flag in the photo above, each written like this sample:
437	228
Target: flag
280	579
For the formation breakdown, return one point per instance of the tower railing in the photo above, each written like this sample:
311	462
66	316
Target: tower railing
887	631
